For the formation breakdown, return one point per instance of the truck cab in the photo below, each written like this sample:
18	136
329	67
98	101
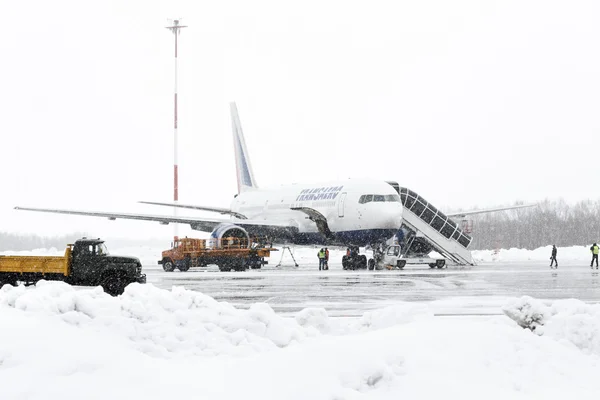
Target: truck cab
91	265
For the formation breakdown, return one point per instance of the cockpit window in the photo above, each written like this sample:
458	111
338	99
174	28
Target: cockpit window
367	198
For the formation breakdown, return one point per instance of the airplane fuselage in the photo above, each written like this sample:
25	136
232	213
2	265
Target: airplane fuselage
348	219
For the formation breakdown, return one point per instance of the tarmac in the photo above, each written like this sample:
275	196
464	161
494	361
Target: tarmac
452	291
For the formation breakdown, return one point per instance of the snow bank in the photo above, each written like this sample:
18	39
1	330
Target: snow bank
573	253
392	315
568	321
155	344
160	323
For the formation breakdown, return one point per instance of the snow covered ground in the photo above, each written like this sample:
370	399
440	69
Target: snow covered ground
150	343
568	254
162	340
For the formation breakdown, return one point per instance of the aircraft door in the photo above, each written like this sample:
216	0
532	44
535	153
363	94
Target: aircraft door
341	204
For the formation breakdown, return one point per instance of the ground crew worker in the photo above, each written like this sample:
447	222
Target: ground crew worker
400	237
326	266
321	255
553	256
595	250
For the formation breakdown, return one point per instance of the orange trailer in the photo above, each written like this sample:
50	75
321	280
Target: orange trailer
228	253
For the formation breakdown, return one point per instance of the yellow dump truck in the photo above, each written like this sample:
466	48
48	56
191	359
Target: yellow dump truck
85	263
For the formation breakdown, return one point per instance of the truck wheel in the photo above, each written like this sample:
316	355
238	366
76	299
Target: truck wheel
113	285
431	265
224	266
168	265
440	263
254	263
401	264
362	264
185	266
371	264
239	264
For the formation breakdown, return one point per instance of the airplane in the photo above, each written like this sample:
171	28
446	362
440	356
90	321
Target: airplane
331	213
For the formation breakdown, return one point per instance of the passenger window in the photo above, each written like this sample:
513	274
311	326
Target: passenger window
378	197
409	202
392	251
90	248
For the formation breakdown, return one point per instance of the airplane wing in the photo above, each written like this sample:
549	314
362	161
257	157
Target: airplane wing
485	211
254	227
219	210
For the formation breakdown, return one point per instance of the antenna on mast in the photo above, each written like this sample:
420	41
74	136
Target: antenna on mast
175	27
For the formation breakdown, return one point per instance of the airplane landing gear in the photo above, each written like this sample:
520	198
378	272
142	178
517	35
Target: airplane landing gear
371	264
353	261
378	253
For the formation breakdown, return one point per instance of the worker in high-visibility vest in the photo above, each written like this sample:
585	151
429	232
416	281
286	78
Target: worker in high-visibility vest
321	255
595	250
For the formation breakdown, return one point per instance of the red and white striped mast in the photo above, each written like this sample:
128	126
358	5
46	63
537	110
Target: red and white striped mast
175	28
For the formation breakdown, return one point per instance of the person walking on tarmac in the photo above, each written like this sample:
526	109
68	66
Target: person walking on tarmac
553	256
326	266
321	255
595	250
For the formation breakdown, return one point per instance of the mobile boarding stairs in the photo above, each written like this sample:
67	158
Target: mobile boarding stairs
429	229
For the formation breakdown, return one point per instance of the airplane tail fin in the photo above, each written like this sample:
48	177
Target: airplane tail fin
245	176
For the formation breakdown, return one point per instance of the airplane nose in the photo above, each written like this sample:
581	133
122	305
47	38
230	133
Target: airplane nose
392	217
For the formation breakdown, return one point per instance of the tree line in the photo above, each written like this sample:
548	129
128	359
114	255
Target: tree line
552	222
23	242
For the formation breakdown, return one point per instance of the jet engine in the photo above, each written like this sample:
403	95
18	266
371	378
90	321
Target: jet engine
228	235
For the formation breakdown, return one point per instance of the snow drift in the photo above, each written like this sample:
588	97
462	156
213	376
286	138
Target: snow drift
161	323
568	321
568	254
153	344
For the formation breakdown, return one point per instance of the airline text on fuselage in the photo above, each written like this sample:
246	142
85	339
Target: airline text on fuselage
322	193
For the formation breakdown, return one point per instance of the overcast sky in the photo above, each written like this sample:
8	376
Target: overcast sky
468	103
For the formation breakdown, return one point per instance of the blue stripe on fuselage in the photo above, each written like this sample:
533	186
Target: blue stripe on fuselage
361	237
